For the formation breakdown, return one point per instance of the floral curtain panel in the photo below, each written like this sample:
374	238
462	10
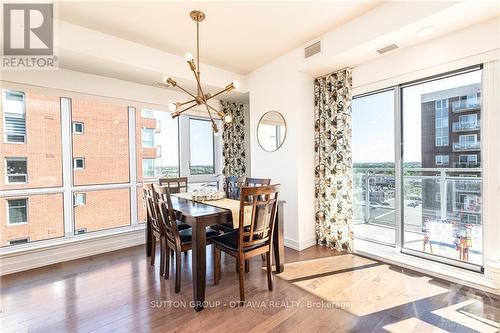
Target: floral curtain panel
333	162
233	140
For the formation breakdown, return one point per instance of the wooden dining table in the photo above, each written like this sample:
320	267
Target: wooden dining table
200	215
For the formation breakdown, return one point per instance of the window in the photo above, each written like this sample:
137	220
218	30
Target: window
105	209
148	168
19	241
105	144
16	170
78	127
14	117
373	157
469	119
79	163
201	147
80	231
437	197
146	113
441	122
164	136
17	211
467	160
442	159
148	137
79	199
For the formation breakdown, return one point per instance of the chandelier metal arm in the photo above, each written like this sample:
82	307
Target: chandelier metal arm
221	114
187	92
178	113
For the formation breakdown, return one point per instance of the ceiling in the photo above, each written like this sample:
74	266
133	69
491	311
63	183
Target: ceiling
236	36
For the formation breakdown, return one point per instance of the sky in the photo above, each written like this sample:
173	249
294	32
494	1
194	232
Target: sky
373	120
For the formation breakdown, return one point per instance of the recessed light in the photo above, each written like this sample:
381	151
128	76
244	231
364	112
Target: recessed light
425	31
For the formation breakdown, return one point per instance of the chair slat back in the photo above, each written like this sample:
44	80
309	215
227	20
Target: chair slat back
232	186
151	211
253	182
264	201
175	185
166	214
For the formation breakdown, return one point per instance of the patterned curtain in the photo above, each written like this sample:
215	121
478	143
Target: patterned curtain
332	159
233	140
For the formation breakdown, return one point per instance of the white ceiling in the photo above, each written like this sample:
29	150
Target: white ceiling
236	36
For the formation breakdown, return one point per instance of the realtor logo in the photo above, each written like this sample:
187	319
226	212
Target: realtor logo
28	29
28	36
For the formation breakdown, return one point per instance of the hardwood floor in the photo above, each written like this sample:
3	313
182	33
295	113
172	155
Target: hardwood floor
320	291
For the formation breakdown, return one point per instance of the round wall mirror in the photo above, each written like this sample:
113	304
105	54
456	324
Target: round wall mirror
271	131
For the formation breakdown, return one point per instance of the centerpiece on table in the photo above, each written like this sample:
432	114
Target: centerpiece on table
207	193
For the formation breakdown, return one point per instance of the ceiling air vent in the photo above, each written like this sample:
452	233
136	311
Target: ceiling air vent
312	49
387	48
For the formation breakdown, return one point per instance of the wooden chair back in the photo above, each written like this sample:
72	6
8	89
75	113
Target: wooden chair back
175	185
257	181
167	215
264	202
151	210
232	186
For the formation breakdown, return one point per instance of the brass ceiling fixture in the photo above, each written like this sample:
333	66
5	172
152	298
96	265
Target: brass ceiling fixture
200	98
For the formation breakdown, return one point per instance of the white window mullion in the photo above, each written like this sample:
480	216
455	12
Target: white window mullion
133	165
67	165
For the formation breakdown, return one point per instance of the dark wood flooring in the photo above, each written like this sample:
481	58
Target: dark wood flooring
121	292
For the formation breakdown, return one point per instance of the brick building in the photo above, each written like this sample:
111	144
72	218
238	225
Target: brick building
31	152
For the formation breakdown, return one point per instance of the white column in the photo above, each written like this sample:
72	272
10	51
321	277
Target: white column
491	169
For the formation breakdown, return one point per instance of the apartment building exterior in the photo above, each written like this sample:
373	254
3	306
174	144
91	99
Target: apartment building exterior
31	151
451	136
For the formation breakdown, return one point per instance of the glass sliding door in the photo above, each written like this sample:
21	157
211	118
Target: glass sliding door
441	176
373	154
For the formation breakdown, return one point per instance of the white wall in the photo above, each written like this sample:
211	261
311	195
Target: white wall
281	87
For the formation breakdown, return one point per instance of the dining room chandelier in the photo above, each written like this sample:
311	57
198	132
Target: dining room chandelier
200	98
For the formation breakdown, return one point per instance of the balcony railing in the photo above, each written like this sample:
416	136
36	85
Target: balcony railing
464	106
430	192
459	127
463	146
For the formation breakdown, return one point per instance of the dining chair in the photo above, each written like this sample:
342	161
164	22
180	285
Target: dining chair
232	186
157	230
177	240
251	240
252	182
175	185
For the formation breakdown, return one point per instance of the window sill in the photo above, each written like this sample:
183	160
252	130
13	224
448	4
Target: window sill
33	255
439	270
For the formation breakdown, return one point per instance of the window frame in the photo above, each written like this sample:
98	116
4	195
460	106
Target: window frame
399	148
75	162
441	157
9	224
74	123
142	137
7	182
19	239
5	134
76	203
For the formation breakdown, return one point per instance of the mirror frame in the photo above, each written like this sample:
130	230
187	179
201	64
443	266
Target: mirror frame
284	138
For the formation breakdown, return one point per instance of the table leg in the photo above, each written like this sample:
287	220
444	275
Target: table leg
148	238
279	241
198	257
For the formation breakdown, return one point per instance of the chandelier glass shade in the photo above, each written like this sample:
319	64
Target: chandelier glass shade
200	97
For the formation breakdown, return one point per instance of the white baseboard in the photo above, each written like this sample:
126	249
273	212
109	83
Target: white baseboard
299	246
65	251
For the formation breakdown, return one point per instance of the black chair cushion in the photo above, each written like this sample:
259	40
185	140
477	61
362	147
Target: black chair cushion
230	241
182	226
187	234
